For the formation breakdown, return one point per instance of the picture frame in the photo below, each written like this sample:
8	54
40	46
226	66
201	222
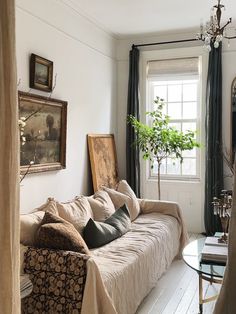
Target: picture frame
103	160
41	73
43	142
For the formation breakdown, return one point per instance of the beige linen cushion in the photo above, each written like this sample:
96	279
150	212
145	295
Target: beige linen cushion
77	212
29	223
124	195
101	205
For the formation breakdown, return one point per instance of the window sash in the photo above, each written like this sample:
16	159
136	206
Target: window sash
182	80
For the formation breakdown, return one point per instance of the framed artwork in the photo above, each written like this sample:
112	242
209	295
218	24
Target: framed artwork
41	73
43	142
103	160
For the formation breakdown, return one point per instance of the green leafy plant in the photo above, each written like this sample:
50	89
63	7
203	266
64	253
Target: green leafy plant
160	140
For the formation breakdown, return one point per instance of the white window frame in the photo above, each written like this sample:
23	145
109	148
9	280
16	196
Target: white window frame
150	97
164	54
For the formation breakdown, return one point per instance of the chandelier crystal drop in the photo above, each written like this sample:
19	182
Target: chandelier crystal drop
213	32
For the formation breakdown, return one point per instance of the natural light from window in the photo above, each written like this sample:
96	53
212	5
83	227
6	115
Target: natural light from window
181	96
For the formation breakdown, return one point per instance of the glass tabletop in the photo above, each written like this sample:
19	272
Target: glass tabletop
192	257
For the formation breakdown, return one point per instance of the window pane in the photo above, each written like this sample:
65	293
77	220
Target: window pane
189	167
189	110
162	169
173	166
189	153
160	91
175	125
191	126
174	92
164	109
190	92
174	110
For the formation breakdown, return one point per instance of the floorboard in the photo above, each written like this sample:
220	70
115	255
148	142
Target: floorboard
177	291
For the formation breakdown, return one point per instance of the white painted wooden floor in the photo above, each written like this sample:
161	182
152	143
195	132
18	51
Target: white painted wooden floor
177	291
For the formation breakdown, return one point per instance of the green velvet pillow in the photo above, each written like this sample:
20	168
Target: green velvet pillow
97	233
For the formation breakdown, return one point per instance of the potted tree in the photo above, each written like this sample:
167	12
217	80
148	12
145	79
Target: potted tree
159	140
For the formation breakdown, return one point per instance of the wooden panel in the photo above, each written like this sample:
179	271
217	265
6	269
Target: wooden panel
103	160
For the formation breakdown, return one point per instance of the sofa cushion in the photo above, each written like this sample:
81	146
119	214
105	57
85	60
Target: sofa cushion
29	223
57	233
49	206
77	212
97	233
101	205
124	195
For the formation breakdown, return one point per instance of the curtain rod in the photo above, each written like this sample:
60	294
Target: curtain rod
165	42
175	42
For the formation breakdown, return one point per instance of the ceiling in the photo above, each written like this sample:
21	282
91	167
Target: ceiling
123	18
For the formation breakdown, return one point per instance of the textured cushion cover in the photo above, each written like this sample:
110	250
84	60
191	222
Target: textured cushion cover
101	205
56	233
133	204
49	206
97	233
124	195
77	212
118	199
29	223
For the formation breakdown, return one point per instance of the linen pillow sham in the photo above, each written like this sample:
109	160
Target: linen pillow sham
101	205
57	233
29	223
133	205
97	233
124	195
77	212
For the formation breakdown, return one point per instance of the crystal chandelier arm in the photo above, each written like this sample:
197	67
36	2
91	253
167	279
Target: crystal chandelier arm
223	27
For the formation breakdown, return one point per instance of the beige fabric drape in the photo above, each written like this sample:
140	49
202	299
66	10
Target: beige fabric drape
9	164
226	303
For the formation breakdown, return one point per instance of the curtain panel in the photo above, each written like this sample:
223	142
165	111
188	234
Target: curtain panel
9	164
214	157
132	151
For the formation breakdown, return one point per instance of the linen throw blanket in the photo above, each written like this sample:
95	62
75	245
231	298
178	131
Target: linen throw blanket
105	291
171	209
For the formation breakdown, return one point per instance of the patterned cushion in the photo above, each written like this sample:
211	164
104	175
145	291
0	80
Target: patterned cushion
101	205
56	233
97	233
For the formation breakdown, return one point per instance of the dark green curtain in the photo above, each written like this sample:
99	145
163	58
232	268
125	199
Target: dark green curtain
132	151
214	159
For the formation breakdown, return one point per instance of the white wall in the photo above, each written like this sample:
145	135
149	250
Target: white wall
84	60
193	208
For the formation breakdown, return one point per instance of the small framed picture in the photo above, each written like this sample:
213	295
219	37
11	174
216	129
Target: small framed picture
41	73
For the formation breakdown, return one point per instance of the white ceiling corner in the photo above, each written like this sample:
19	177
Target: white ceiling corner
123	18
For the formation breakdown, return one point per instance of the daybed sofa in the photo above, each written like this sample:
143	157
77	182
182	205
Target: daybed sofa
113	278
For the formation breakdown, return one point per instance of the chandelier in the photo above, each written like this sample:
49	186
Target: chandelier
213	32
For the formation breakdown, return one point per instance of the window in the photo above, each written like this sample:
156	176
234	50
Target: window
177	82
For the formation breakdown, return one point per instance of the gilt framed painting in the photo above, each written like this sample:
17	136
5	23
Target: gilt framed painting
103	160
43	133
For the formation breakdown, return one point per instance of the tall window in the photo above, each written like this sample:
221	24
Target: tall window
177	82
